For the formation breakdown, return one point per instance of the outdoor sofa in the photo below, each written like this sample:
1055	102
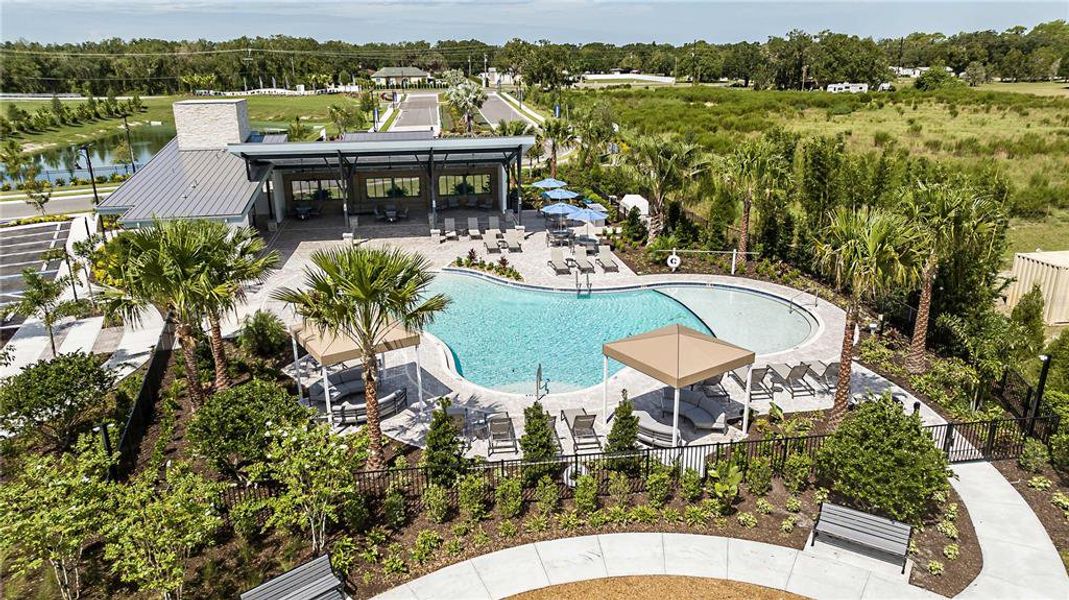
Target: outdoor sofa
355	413
695	407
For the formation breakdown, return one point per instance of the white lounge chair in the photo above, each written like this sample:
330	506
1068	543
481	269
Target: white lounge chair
514	240
473	228
494	225
581	261
606	260
556	262
450	229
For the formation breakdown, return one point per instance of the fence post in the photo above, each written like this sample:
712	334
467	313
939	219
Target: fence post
990	445
948	439
1039	393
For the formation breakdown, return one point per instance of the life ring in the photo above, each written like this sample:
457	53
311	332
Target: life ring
674	261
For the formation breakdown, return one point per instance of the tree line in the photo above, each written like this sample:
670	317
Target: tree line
795	61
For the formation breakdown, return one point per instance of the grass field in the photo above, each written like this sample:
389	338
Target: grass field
1039	88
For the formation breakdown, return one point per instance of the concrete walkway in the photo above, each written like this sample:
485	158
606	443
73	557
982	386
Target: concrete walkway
554	562
1020	561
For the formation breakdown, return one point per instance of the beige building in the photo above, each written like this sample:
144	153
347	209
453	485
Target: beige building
1048	270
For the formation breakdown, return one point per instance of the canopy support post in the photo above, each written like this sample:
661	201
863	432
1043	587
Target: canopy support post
297	366
675	420
419	385
746	401
326	394
605	387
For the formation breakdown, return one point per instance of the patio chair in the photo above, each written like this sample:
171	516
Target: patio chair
491	246
829	376
606	260
581	261
795	381
451	229
459	417
556	262
452	202
758	388
714	386
473	228
402	213
581	428
514	240
502	434
379	215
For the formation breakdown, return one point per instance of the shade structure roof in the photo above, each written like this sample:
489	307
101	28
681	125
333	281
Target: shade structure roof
329	349
678	356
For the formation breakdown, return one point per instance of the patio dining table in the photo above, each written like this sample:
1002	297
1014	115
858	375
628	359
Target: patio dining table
585	240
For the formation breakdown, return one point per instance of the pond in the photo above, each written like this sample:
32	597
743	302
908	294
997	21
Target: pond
67	162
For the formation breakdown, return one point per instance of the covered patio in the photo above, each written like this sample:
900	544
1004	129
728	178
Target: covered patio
679	357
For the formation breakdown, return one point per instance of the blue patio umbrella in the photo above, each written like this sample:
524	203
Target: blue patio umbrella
586	215
549	183
560	194
560	208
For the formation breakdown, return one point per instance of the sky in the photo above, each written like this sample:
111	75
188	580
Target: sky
575	21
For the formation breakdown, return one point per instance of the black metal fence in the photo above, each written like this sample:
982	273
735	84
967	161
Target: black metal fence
1025	400
144	406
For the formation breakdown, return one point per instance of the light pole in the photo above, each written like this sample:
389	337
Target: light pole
93	180
129	146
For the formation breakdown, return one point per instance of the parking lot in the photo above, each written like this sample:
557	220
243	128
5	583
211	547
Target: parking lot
419	112
21	248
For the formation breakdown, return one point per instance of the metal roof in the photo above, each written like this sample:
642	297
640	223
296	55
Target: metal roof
367	136
314	580
186	184
399	72
275	138
442	147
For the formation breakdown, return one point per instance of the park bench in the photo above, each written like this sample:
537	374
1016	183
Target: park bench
885	536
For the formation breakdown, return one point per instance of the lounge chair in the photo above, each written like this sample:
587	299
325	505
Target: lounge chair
491	246
502	434
581	260
829	376
494	225
758	388
556	262
795	381
473	228
450	231
514	240
556	438
606	260
581	428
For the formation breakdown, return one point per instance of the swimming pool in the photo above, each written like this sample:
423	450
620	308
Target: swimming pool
499	333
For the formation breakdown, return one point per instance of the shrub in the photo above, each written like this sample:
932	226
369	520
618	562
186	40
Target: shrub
763	506
950	513
935	567
427	541
796	470
622	437
690	485
658	486
1061	500
1040	483
263	334
694	516
547	496
472	493
394	564
759	475
794	504
231	429
951	551
454	546
620	488
435	503
1059	450
882	460
342	555
948	528
394	509
538	443
644	513
443	455
536	523
586	494
746	519
509	496
821	495
724	483
507	529
245	519
671	515
787	526
355	512
569	521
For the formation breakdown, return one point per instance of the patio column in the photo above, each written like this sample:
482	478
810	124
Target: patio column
746	401
297	366
502	189
326	394
605	387
675	419
419	380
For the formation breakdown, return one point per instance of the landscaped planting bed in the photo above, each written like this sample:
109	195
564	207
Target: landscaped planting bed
1046	491
663	586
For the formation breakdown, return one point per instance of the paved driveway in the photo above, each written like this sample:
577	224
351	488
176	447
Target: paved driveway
495	110
418	112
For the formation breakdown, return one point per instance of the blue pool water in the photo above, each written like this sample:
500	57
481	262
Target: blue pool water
499	334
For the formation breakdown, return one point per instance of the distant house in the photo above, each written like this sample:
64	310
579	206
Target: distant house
399	76
848	88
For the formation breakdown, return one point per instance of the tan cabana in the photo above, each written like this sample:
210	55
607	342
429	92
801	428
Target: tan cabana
328	350
678	356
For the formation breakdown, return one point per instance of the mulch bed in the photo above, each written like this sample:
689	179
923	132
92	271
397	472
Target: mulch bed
1053	519
657	586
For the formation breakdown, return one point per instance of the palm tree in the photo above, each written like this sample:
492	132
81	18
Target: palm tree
513	128
167	268
867	252
365	293
559	133
664	166
84	250
753	169
946	217
14	159
238	260
41	299
467	97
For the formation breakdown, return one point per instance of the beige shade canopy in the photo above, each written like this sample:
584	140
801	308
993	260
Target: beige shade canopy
678	356
329	349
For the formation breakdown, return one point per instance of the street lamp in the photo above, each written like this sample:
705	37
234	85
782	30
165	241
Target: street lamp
93	180
129	145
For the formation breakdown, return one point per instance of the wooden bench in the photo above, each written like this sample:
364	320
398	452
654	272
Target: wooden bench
885	536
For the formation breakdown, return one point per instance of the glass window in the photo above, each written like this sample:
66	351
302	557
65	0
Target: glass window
463	185
307	190
393	187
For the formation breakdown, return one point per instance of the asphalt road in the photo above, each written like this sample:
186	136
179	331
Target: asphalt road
14	209
418	112
495	109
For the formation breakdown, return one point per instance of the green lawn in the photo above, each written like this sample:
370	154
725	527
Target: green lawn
1039	88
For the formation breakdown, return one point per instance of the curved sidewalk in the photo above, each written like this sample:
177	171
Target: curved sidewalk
553	562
